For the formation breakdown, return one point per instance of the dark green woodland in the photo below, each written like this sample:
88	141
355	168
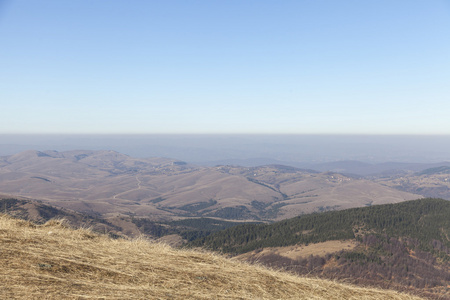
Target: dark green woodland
425	220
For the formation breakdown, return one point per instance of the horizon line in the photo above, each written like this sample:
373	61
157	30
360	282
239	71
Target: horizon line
224	134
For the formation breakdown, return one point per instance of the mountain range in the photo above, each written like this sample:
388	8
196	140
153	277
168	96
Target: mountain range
108	183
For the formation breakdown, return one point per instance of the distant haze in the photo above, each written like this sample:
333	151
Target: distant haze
245	149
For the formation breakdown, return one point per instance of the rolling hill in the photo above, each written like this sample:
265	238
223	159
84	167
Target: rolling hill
52	261
107	184
432	182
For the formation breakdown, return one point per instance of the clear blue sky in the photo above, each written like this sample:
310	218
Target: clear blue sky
106	66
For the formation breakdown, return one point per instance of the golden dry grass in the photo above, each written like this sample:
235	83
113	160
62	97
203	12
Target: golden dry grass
298	251
54	262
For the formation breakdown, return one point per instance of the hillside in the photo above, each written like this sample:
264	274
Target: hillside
432	182
174	232
39	213
52	261
404	246
108	183
424	219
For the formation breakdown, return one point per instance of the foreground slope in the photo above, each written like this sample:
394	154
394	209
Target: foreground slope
51	261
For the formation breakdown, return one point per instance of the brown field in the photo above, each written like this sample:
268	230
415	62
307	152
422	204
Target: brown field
295	252
53	262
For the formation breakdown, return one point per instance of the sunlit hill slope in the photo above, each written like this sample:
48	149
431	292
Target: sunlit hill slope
55	262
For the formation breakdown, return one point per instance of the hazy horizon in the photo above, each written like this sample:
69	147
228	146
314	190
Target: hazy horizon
216	148
290	82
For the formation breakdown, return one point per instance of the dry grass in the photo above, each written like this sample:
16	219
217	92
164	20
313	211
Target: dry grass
298	251
54	262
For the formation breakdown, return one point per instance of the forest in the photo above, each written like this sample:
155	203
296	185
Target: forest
403	246
425	220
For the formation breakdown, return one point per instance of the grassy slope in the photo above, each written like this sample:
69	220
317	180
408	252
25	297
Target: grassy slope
54	262
188	229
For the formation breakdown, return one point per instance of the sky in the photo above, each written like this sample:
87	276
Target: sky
225	67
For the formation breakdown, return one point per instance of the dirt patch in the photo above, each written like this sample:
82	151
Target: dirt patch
173	240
